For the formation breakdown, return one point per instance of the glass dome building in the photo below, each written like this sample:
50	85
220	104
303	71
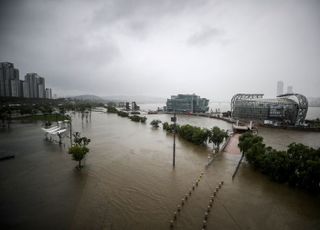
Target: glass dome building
286	109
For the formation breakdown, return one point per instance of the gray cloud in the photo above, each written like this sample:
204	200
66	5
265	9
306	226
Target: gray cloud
213	48
207	35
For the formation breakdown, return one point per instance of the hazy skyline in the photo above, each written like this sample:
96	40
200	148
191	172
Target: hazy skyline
158	48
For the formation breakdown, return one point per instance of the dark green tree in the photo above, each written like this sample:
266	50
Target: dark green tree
217	136
155	123
79	149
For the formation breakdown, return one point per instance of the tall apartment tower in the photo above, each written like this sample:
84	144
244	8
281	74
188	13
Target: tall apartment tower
48	93
15	84
290	89
35	85
9	80
41	87
279	88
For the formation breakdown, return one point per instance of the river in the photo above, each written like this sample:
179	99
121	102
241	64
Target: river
128	182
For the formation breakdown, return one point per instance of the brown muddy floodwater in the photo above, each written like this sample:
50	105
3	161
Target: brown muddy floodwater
128	182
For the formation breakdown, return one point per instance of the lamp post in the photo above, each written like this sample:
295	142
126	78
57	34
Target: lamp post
70	128
174	120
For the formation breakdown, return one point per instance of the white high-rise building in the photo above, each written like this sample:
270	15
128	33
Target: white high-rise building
279	88
290	89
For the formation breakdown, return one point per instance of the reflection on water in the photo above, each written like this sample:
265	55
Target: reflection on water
128	182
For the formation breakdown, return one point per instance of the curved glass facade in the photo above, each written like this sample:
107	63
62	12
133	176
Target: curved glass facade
281	110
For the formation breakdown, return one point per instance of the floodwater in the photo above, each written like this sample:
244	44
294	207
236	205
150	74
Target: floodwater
128	182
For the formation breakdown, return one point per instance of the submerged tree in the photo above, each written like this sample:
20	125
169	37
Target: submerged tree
155	123
216	137
79	149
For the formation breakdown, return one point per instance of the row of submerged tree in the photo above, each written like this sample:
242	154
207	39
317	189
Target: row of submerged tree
135	118
298	166
197	135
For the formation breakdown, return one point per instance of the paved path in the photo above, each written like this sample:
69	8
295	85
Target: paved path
232	146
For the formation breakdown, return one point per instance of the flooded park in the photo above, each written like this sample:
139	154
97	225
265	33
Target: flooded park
128	181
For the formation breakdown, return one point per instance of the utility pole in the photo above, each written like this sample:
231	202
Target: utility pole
174	119
70	130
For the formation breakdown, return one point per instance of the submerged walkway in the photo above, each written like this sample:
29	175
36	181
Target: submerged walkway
232	146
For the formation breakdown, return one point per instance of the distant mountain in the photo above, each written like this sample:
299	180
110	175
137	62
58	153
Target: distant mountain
137	98
88	98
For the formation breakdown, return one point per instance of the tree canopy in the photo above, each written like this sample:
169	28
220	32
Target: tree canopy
299	165
79	149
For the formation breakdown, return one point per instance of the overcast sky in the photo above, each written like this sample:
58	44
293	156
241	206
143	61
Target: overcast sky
164	47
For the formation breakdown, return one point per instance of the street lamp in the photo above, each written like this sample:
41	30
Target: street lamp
174	120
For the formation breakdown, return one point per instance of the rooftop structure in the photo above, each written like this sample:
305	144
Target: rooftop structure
289	109
187	103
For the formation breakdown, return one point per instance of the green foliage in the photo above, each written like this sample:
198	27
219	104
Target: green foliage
299	166
123	114
247	140
169	127
193	134
112	109
78	152
79	149
137	118
155	123
82	141
217	136
26	109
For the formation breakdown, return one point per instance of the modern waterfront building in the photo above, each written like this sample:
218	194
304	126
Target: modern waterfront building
187	103
279	88
286	109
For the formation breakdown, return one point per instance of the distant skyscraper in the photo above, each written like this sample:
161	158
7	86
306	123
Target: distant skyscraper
21	88
279	88
290	89
7	74
48	93
26	89
15	84
41	87
30	78
36	85
11	86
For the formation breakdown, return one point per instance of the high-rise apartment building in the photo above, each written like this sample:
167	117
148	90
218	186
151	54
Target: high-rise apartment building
41	87
36	85
48	93
11	86
26	89
290	89
279	88
9	77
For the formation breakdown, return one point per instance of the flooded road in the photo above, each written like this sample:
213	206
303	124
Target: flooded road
128	182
